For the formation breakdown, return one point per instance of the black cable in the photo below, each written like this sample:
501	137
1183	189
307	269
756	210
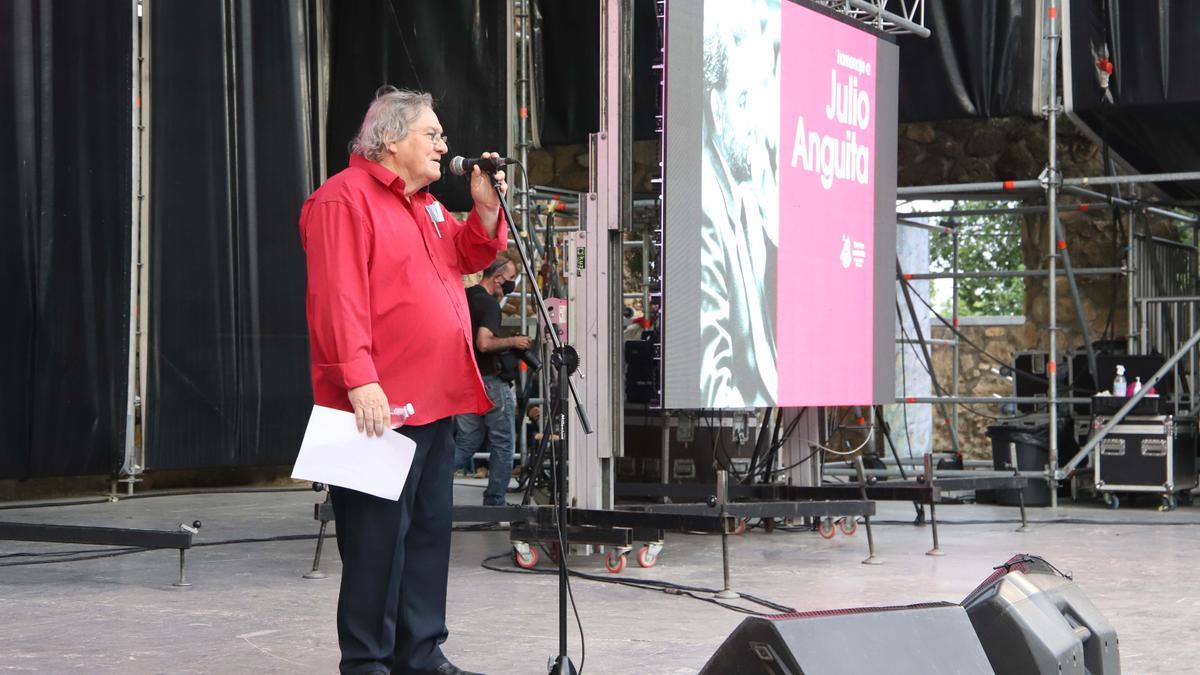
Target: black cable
136	549
943	392
650	584
886	428
971	343
770	473
761	437
776	447
154	495
1036	378
111	554
793	466
562	553
717	442
904	388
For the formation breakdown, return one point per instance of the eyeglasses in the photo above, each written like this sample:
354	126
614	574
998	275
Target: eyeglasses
434	137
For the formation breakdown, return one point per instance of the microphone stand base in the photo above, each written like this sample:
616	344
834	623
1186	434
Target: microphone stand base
557	666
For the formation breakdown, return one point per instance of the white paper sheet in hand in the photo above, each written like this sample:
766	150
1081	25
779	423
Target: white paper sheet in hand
335	452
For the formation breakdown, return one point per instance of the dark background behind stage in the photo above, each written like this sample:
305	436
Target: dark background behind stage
65	206
235	149
454	49
235	154
232	158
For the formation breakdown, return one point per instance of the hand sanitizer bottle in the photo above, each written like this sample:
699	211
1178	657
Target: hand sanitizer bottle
400	415
1119	384
1137	386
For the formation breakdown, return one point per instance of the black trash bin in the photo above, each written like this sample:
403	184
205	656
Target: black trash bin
1033	454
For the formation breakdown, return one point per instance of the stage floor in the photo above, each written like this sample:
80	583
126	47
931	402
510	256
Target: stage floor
249	610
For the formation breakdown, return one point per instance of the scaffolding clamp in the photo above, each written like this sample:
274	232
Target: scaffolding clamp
1050	177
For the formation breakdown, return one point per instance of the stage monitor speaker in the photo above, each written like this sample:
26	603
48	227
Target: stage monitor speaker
1032	619
926	639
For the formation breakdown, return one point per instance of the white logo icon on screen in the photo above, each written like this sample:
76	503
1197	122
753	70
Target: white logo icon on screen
853	252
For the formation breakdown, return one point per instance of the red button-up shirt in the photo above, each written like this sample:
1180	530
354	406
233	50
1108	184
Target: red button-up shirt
385	294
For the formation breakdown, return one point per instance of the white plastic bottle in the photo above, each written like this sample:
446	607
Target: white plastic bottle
400	415
1119	384
1137	386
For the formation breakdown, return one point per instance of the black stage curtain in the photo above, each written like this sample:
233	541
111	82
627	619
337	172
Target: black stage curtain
1152	119
567	69
453	49
65	127
232	161
978	62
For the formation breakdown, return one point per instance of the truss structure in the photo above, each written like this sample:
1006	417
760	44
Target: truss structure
890	16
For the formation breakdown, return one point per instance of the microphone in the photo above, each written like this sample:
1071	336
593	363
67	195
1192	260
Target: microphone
461	166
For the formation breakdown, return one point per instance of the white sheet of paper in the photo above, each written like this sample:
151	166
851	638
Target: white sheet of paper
335	452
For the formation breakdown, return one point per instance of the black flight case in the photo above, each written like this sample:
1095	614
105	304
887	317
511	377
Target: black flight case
1146	454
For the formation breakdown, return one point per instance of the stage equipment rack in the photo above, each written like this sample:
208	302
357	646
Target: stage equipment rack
618	529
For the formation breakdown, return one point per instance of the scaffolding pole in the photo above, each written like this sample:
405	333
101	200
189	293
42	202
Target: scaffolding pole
1076	300
1004	274
955	367
1000	211
941	229
916	324
986	400
919	191
523	22
1129	204
1051	184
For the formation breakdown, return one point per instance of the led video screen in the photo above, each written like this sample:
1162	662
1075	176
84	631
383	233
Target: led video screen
778	206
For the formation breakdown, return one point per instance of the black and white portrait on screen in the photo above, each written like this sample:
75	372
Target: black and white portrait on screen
740	203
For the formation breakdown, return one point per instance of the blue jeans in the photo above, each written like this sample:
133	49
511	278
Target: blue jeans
498	425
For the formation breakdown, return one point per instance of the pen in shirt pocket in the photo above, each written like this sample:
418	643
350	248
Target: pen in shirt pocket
436	216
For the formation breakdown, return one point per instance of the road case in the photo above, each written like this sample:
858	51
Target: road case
1146	454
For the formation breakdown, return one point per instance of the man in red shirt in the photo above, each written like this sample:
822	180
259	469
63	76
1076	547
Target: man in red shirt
389	325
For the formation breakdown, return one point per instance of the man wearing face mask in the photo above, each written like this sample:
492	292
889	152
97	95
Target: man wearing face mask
497	426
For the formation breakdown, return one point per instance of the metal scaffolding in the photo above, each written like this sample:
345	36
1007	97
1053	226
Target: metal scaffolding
1140	307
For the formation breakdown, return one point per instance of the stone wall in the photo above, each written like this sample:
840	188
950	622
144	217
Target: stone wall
978	376
566	166
1015	149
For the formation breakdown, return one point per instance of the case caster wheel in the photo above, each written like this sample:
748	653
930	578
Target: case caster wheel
741	527
614	561
1112	501
827	528
1168	503
849	526
525	556
648	555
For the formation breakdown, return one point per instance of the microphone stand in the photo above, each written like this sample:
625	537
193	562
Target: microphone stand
565	360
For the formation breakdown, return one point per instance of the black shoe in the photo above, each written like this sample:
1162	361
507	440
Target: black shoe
448	668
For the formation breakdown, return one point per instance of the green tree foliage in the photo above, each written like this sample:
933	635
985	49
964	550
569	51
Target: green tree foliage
985	243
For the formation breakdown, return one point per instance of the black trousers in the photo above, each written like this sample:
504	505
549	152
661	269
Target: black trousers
391	615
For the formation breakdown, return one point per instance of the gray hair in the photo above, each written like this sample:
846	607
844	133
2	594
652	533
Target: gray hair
498	264
387	120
